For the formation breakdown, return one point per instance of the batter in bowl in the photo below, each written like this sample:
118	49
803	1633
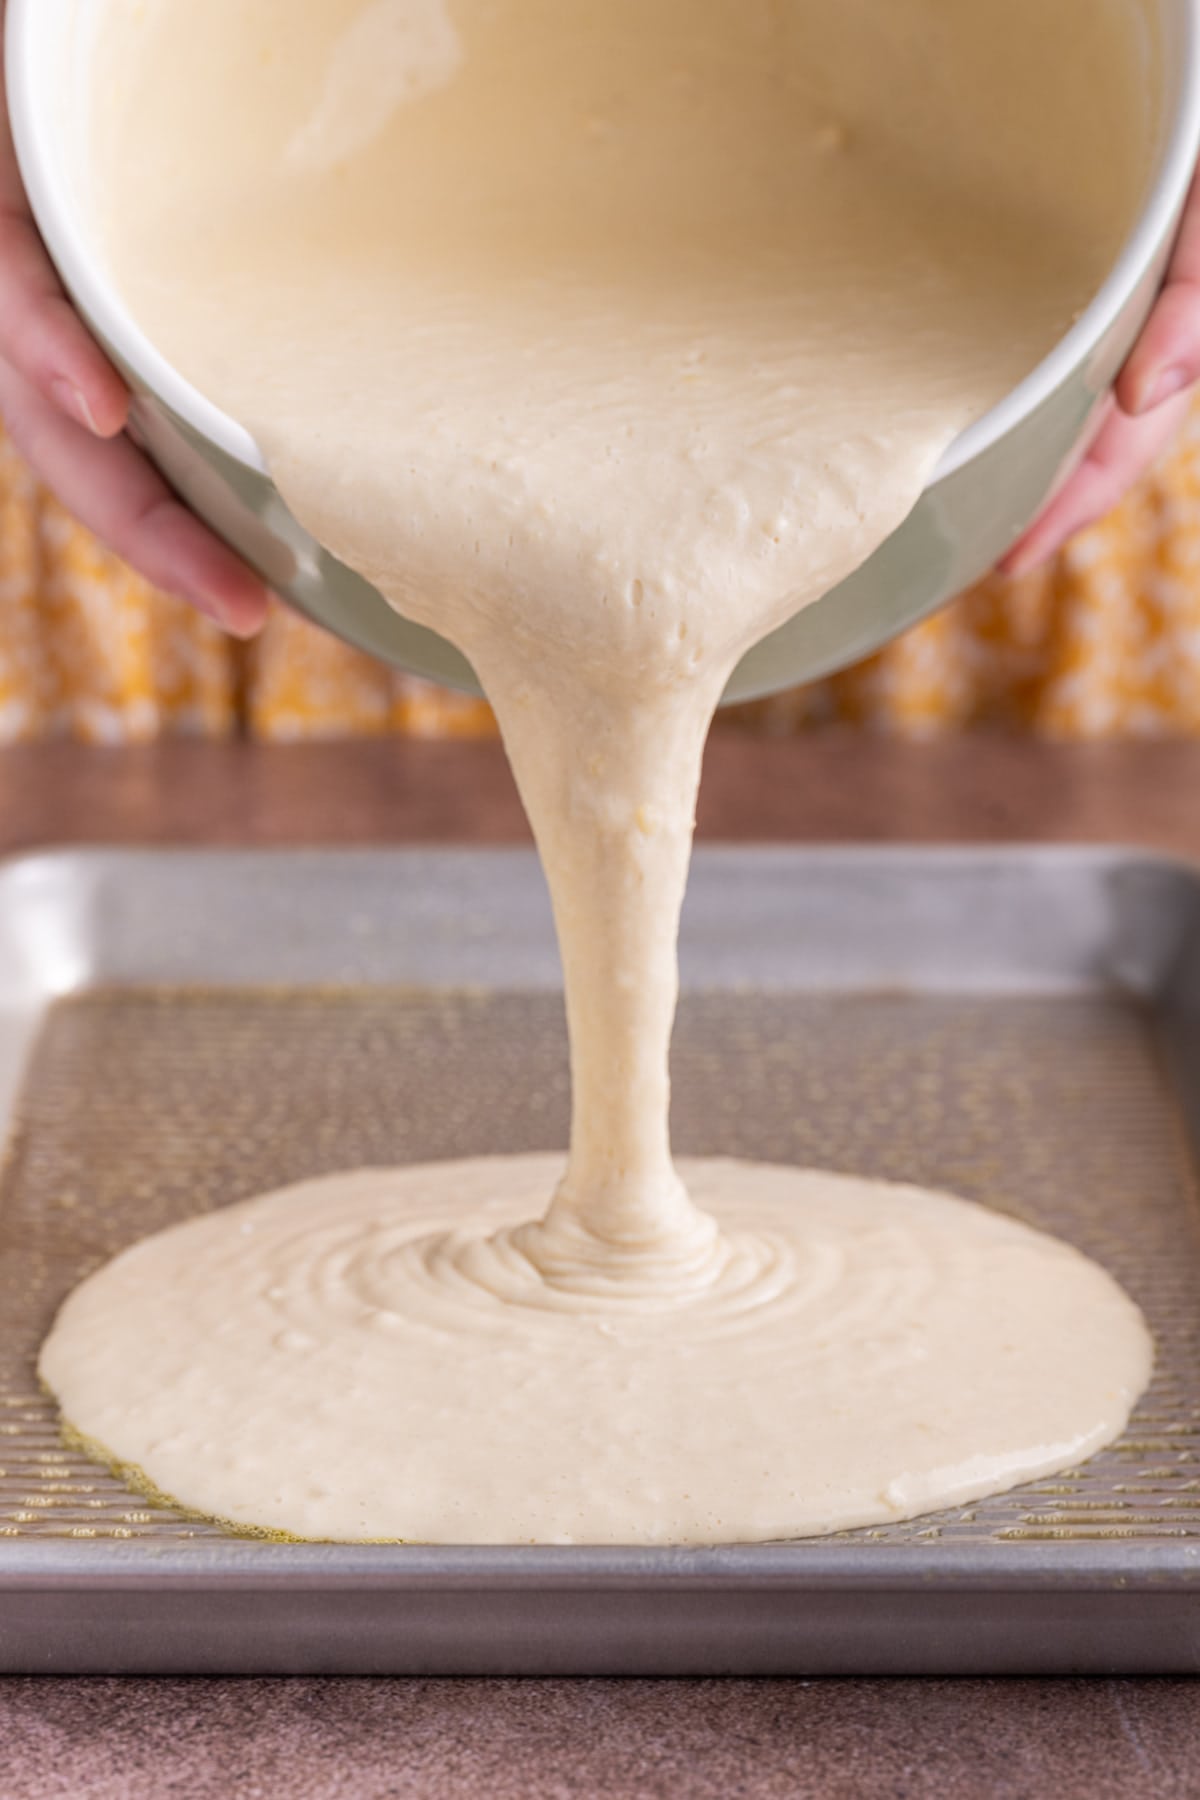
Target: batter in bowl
602	338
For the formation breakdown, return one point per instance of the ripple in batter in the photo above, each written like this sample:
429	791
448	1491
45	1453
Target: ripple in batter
854	1352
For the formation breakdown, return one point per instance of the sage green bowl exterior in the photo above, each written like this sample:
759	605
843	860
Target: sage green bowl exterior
985	493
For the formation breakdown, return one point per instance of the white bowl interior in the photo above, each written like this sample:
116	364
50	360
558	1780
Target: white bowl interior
49	60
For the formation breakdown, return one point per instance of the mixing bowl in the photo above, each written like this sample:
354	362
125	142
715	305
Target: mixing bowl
988	488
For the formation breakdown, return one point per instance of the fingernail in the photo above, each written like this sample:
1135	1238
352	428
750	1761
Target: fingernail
228	618
1021	561
1164	387
204	603
73	402
238	628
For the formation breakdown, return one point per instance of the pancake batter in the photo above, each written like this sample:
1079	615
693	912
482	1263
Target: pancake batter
602	338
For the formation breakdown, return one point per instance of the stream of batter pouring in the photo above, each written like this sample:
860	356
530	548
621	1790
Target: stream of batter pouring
602	338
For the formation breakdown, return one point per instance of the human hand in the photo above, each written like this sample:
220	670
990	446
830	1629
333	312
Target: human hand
1146	409
66	408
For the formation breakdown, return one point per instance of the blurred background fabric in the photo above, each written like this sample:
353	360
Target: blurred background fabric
1103	643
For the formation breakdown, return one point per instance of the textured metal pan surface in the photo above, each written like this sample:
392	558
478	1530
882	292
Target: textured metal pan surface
1013	1026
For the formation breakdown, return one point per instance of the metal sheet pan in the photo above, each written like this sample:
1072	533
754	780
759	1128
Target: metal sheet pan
185	1028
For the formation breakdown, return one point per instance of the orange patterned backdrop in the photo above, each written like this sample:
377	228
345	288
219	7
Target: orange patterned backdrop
1104	642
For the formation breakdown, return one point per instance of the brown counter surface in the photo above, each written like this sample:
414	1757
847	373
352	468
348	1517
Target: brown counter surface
550	1740
833	786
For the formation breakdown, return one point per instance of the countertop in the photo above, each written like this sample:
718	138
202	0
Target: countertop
835	786
542	1740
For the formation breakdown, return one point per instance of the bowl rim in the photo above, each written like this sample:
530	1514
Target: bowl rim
45	183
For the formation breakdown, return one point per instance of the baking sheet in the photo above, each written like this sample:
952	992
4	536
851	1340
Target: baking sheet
1017	1026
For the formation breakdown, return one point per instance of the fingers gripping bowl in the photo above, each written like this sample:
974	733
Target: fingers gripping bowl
984	493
